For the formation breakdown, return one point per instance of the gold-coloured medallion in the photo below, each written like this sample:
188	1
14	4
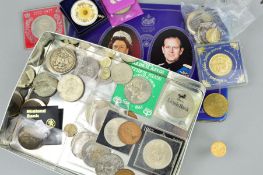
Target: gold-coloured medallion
213	35
220	64
70	130
215	105
218	149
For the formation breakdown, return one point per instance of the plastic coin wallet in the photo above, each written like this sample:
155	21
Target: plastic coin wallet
220	65
104	138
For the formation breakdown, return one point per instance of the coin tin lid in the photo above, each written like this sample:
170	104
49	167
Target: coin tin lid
66	6
53	14
220	65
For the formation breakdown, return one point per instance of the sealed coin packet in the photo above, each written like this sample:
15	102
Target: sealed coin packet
120	114
120	11
38	21
220	65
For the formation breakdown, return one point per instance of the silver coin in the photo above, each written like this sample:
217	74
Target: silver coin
46	39
109	164
196	18
61	60
35	57
33	95
79	141
157	154
179	104
45	85
15	104
27	77
121	73
129	59
88	68
70	88
92	152
138	90
28	138
111	132
42	24
33	102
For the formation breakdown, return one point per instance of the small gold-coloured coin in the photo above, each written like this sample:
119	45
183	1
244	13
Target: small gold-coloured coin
218	149
220	64
105	73
71	130
132	115
129	133
215	105
125	172
213	35
106	62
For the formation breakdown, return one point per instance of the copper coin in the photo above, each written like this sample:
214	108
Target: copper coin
125	172
129	133
132	115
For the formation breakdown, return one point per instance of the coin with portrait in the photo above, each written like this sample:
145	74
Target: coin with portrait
129	133
220	64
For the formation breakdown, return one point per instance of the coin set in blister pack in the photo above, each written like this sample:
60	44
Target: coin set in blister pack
113	120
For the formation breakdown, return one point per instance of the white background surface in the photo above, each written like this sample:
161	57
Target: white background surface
242	131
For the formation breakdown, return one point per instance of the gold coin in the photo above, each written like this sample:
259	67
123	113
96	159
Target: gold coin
220	64
218	149
215	105
213	35
105	73
124	172
106	62
70	130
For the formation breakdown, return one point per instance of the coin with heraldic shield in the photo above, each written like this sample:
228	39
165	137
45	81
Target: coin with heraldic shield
111	132
61	60
70	88
215	105
45	85
129	133
138	90
42	24
157	154
79	141
92	152
220	64
28	139
179	104
70	130
121	73
109	164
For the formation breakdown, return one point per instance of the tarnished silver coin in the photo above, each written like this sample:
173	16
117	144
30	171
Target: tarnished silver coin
42	24
196	18
111	132
45	85
33	102
29	139
157	154
88	68
61	60
109	164
15	104
70	87
128	58
27	77
79	141
179	104
121	73
138	90
33	95
36	55
92	152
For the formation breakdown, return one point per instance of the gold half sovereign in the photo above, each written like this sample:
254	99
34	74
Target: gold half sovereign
215	105
218	149
213	35
220	64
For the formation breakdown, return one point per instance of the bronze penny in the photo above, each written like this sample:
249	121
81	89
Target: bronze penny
129	133
132	115
125	172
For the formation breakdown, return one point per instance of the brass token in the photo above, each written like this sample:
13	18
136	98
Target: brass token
220	64
125	172
106	62
129	133
213	35
215	105
105	73
218	149
71	130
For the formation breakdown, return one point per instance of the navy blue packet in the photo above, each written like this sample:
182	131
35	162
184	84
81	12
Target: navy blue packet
66	7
